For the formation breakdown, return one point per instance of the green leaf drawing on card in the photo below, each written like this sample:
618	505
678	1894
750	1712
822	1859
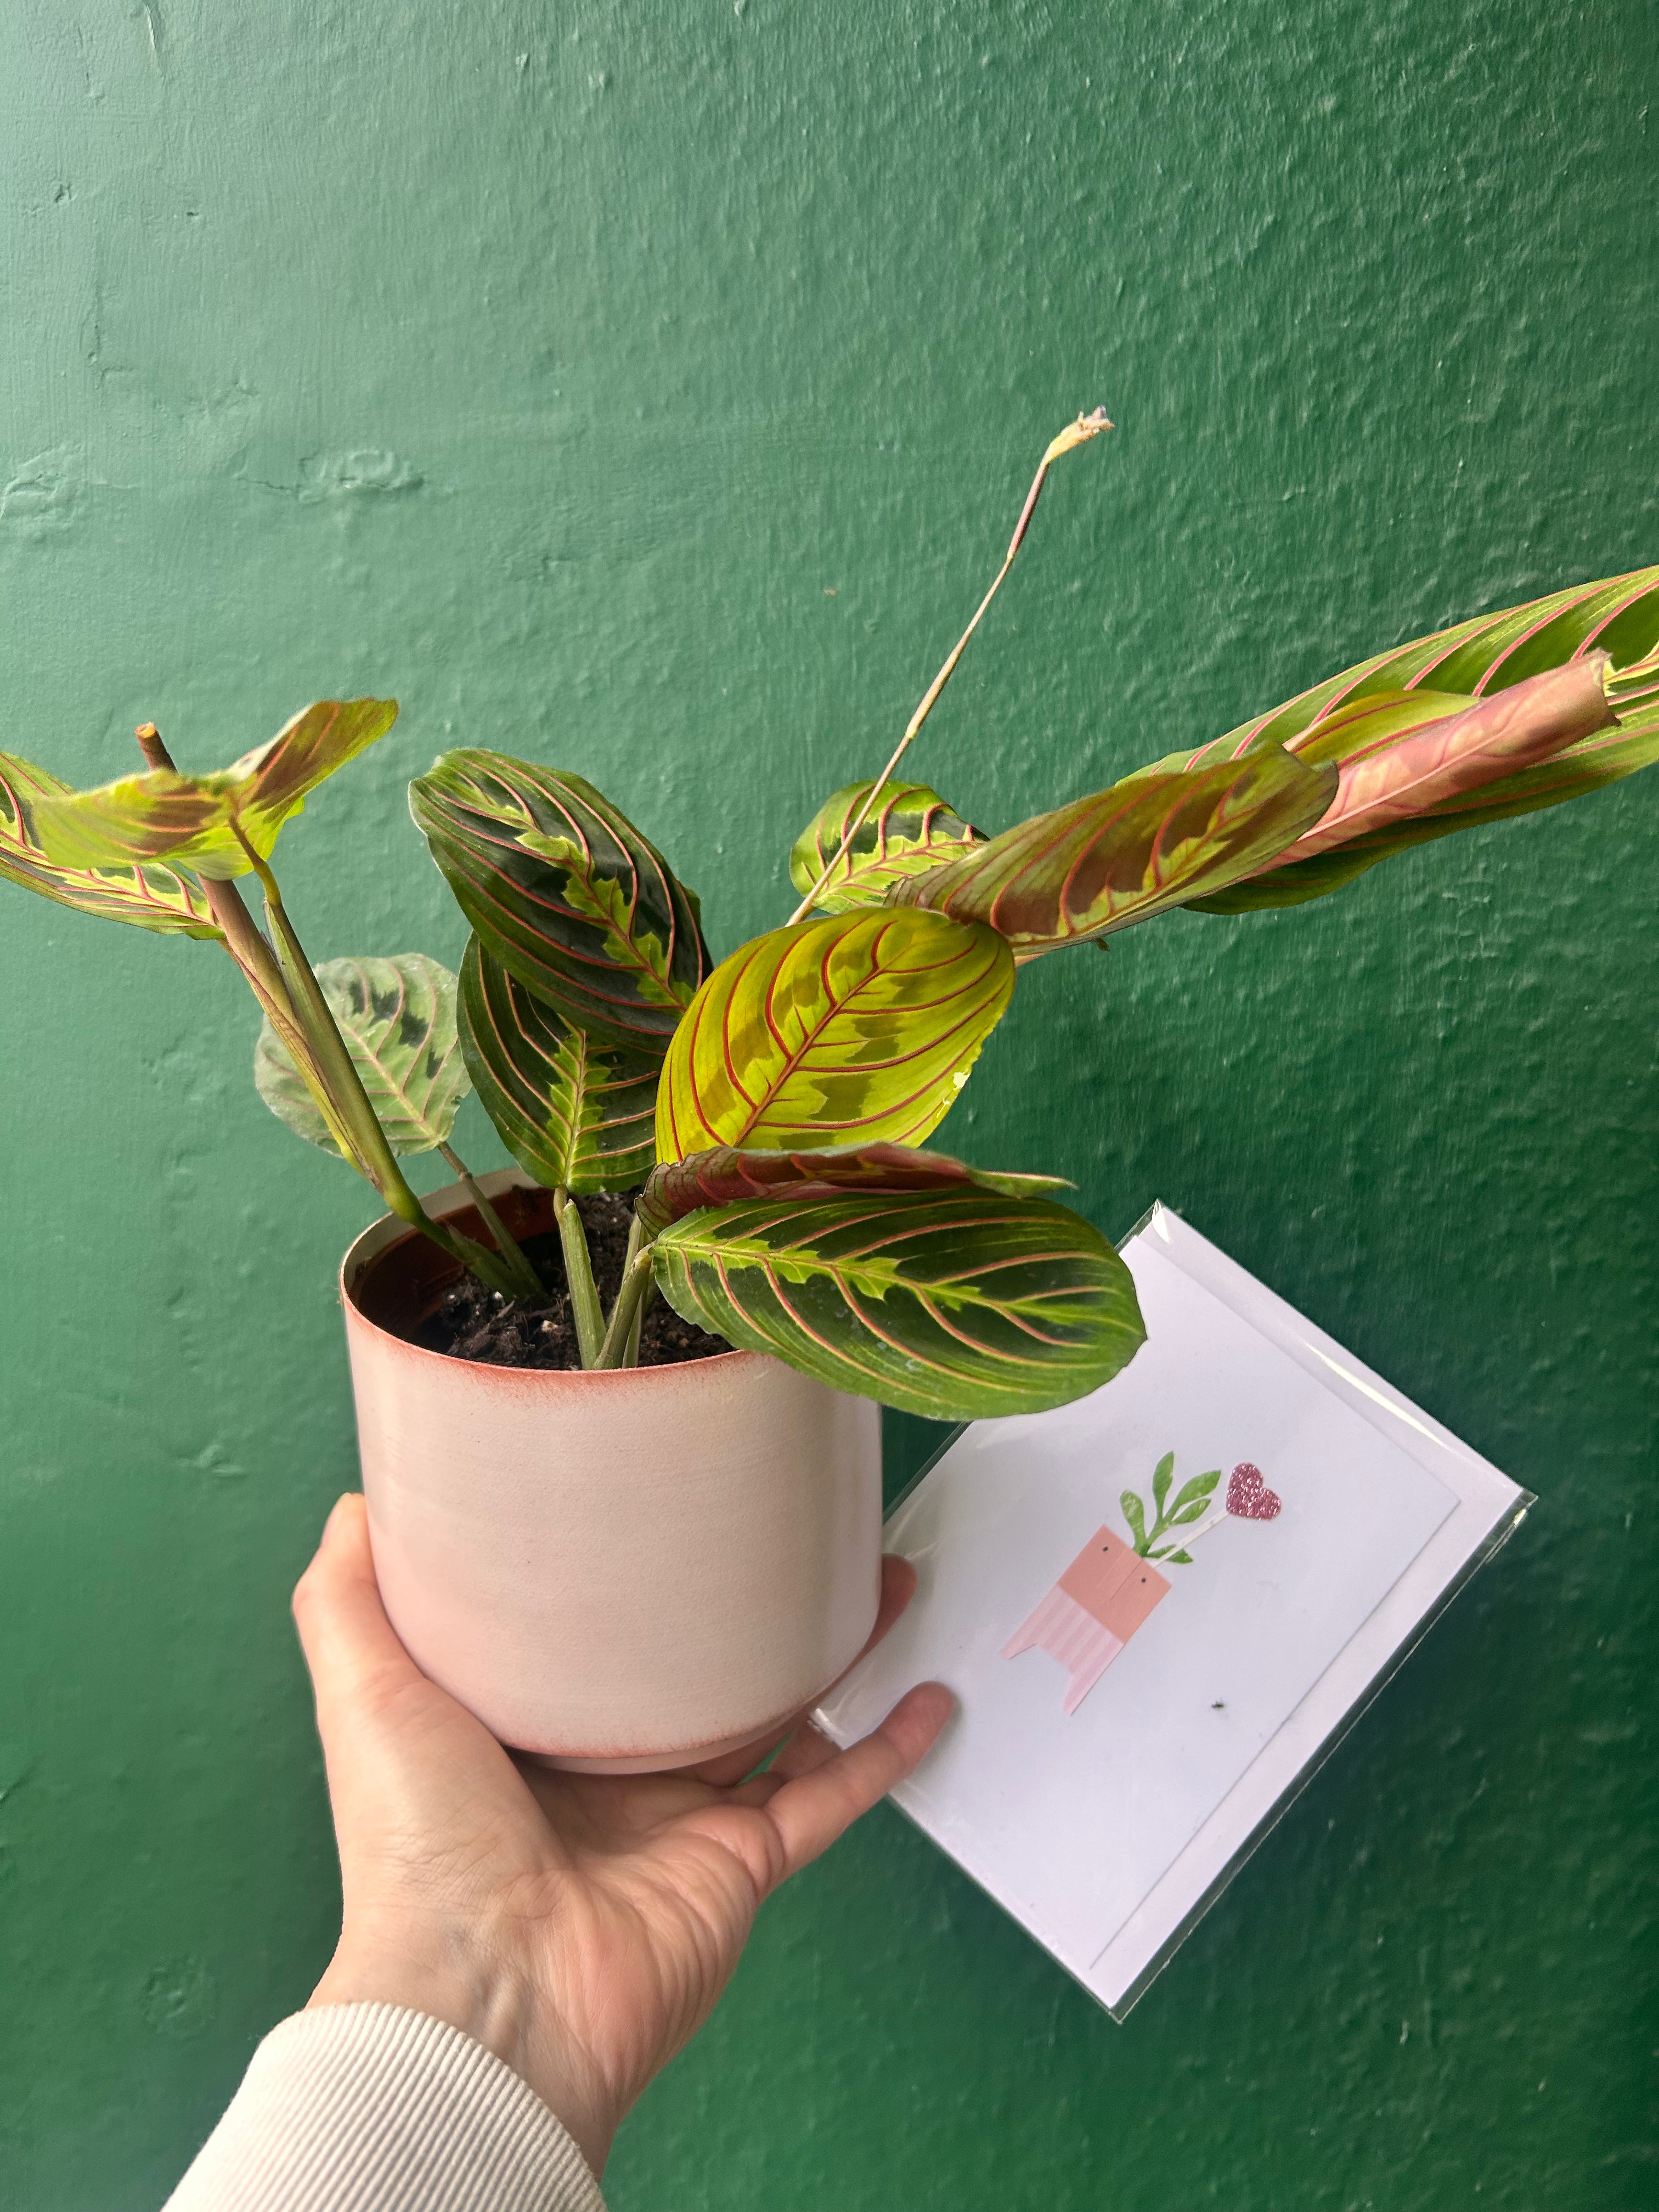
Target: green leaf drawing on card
1191	1504
1135	1514
1161	1479
1199	1487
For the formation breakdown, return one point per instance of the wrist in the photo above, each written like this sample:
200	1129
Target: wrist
476	2003
485	2000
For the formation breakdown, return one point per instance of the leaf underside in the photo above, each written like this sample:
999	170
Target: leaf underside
907	830
1385	700
192	821
573	1112
565	893
726	1174
398	1018
840	1032
1120	856
151	897
953	1307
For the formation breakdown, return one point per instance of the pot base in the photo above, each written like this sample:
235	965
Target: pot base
668	1762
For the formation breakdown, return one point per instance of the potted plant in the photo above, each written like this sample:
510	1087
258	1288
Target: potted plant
617	1406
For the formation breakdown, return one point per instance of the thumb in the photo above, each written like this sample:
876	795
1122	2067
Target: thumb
350	1647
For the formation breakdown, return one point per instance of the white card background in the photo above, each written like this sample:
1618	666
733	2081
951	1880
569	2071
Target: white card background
1076	1822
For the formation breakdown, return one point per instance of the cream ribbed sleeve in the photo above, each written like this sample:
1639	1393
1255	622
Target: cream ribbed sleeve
369	2108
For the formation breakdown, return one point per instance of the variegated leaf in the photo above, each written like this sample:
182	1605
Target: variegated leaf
1396	698
842	1030
953	1307
151	897
1588	765
1397	778
192	821
1619	617
398	1018
725	1174
564	891
575	1113
906	831
1154	840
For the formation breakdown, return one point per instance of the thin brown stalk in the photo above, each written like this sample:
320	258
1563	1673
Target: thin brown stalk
1074	434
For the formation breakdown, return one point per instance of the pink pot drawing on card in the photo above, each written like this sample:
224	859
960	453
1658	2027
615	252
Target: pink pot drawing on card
1111	1588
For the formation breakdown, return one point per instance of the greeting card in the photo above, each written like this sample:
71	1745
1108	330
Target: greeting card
1161	1605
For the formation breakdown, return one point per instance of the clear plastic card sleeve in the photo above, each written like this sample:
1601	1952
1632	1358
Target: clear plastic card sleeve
1163	1607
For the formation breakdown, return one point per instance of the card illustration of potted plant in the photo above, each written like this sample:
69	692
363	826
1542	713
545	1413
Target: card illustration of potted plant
617	1404
1111	1588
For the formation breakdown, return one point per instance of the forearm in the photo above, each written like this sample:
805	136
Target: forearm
355	2107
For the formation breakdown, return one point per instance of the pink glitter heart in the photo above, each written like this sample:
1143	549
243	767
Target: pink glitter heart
1250	1498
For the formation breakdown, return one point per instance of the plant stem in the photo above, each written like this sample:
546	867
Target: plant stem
626	1312
531	1283
356	1108
585	1309
253	955
1074	434
337	1092
636	1239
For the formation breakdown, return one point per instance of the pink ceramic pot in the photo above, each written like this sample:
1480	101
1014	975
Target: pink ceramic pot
618	1571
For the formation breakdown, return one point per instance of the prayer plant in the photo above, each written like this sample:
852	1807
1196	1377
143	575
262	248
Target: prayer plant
770	1108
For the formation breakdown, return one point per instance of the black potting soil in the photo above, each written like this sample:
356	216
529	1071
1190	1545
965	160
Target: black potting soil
473	1322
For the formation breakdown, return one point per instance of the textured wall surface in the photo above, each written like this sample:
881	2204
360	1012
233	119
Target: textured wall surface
650	389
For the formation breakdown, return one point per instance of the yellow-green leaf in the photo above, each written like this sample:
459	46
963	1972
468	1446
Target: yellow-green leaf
573	1110
951	1306
907	829
1393	700
835	1032
565	893
1151	841
728	1172
150	897
192	821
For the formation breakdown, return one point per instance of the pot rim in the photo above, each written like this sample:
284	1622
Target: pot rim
454	1198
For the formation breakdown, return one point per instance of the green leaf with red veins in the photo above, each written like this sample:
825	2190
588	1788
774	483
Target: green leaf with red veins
150	897
1395	779
1471	660
574	1112
1397	697
907	830
844	1031
397	1016
726	1174
192	821
565	893
951	1306
1154	840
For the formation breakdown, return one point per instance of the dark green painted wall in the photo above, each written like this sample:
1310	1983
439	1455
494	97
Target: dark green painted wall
650	388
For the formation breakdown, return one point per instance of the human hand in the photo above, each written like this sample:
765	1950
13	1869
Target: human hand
579	1926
